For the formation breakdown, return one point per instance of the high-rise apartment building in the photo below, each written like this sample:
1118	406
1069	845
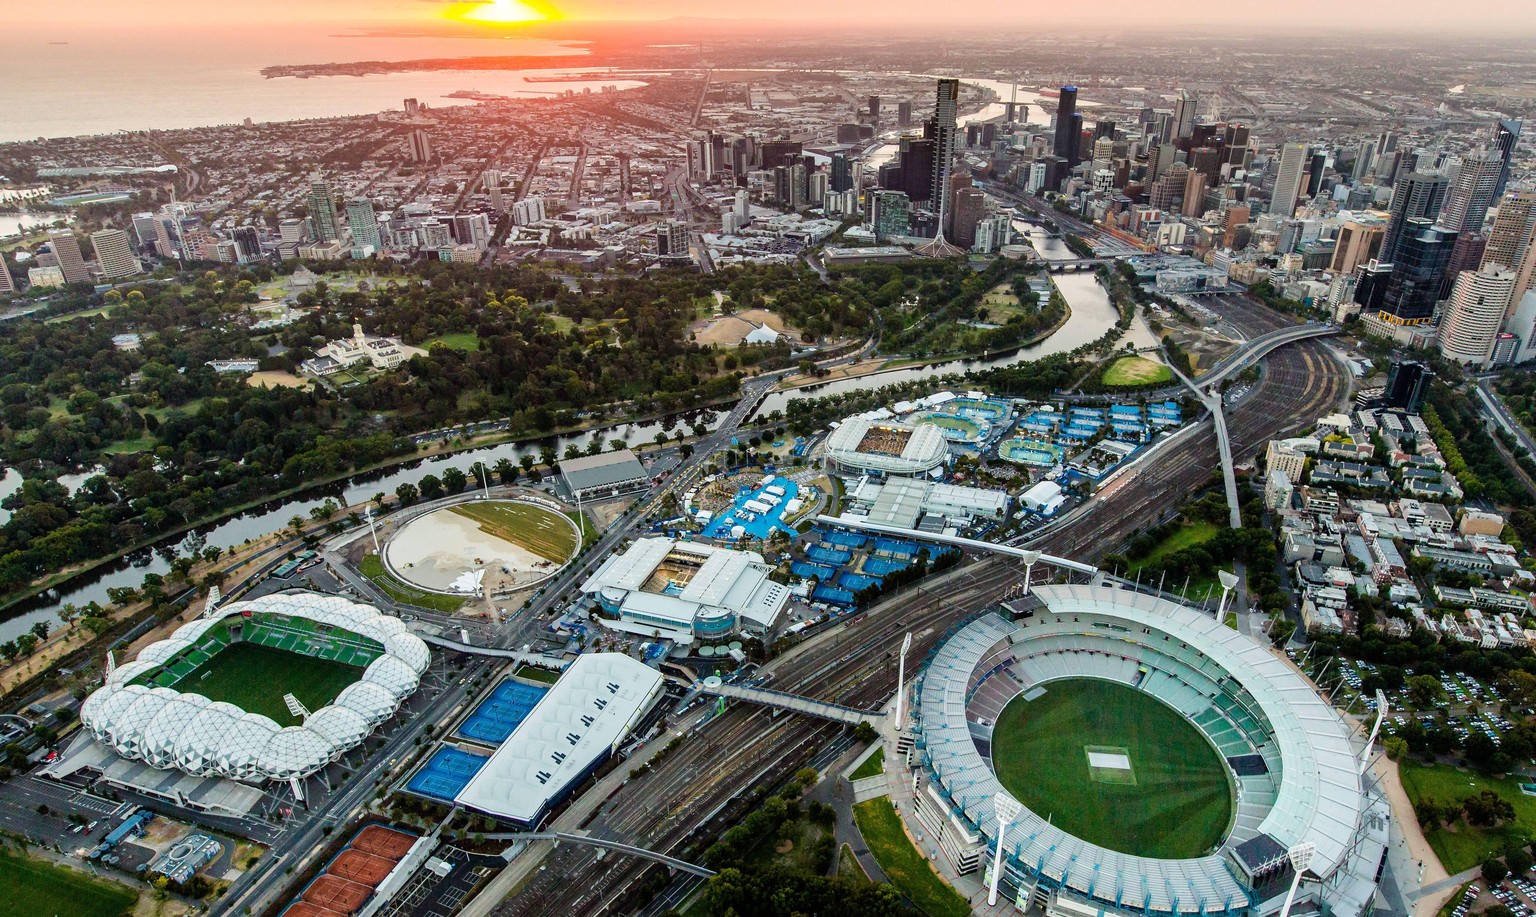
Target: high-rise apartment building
890	215
364	223
1510	237
1468	200
969	208
904	113
1184	108
1067	127
322	210
1416	196
66	251
842	172
419	144
946	109
1288	183
115	254
1194	194
1478	303
1356	244
7	284
490	179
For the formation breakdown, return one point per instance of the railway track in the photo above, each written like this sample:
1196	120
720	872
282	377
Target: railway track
701	788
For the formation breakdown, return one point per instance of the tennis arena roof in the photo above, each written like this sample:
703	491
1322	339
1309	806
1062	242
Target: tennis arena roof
574	727
924	448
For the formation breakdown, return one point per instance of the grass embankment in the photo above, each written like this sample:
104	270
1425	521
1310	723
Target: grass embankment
907	868
540	530
1128	371
373	568
1462	845
1185	536
873	765
34	888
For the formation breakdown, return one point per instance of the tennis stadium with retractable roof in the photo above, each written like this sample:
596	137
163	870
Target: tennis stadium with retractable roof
1161	763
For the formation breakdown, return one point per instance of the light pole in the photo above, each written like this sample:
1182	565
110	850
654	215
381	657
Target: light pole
1029	558
1007	809
901	678
1300	856
368	512
1228	580
1381	714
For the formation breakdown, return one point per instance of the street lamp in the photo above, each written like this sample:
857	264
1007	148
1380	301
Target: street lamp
901	677
1228	580
1007	809
1300	856
1029	558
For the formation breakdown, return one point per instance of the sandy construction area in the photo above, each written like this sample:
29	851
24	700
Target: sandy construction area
270	378
432	551
731	330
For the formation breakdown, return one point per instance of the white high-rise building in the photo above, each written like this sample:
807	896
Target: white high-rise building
66	251
115	254
492	181
528	211
743	208
1293	164
1475	314
1036	181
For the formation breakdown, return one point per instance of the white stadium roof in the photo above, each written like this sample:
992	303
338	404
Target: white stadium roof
574	726
924	450
166	728
1320	798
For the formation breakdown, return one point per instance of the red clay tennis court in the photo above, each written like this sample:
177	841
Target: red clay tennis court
362	868
381	841
337	894
305	909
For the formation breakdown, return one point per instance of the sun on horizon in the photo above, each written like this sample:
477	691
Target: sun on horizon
499	12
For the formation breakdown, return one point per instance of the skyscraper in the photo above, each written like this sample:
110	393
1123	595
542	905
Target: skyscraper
904	113
1293	163
1065	146
248	243
66	251
842	172
1467	201
1184	108
874	109
322	209
946	108
115	254
1418	272
1416	196
1510	236
420	146
1357	243
969	208
490	179
890	215
1506	133
1478	303
364	223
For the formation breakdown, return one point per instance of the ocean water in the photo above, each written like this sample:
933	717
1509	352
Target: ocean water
56	83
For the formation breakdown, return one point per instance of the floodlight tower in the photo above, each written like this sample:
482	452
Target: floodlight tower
368	514
1381	714
1007	809
1029	558
1228	580
901	678
1300	856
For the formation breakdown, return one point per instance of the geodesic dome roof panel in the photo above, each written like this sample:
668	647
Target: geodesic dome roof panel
167	728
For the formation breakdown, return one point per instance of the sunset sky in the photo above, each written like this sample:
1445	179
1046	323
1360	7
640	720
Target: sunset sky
1239	17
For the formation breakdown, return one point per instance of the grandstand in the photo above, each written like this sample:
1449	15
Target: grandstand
212	699
1290	767
862	445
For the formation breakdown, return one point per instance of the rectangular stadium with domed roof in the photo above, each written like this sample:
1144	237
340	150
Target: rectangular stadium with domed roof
270	689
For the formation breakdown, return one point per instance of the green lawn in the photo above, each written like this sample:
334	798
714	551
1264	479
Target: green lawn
539	530
459	340
534	673
872	766
848	865
1464	846
37	889
145	443
373	568
589	533
255	678
908	870
1136	371
1175	801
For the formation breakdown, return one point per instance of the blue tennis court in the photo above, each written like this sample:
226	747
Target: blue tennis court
828	555
501	712
831	594
879	566
820	571
446	773
895	548
853	582
845	539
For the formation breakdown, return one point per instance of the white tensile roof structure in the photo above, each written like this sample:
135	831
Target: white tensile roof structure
924	450
574	727
167	728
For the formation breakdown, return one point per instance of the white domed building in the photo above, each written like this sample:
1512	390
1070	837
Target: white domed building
150	710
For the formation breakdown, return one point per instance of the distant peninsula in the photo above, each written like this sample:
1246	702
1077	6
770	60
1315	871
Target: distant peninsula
365	68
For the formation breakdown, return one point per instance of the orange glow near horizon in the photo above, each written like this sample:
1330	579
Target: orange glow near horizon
500	12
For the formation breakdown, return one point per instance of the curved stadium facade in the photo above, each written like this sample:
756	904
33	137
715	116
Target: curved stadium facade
149	709
1293	772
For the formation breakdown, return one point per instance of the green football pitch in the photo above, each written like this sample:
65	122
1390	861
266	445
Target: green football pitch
255	678
1175	801
34	888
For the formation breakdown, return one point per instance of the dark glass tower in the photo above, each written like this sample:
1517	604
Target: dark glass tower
1419	271
1065	146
